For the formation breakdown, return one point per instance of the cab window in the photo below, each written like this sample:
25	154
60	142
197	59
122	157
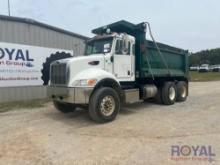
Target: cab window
122	47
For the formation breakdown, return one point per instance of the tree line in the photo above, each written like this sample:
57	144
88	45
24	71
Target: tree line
211	57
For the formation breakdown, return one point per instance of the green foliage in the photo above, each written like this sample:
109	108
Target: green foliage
211	57
206	76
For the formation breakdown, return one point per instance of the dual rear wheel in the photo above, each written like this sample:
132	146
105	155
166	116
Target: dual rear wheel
172	92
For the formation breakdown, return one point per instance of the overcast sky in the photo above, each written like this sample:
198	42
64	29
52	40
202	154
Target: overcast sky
188	24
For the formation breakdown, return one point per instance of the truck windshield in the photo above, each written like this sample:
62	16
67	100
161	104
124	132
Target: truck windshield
99	46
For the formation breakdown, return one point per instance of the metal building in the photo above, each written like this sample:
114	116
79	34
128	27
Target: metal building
30	32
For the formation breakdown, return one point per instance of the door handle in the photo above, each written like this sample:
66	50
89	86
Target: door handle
129	72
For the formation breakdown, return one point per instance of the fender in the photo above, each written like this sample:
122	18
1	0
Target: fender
94	73
109	82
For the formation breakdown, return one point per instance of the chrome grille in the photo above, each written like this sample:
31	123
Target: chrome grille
59	74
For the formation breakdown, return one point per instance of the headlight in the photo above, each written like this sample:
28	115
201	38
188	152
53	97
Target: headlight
85	82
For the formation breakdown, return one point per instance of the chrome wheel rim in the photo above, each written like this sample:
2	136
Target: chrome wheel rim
172	93
107	105
184	91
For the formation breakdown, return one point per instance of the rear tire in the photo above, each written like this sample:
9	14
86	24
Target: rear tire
158	97
64	107
169	93
182	91
104	105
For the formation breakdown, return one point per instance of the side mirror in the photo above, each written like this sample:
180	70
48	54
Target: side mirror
125	47
118	48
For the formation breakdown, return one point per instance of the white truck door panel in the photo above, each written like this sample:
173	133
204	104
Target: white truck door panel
122	66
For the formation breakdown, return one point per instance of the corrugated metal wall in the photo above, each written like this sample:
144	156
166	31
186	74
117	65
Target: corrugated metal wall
30	34
22	93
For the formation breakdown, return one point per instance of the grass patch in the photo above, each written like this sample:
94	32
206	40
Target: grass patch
37	103
207	76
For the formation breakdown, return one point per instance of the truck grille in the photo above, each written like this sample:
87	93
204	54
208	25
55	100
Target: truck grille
59	74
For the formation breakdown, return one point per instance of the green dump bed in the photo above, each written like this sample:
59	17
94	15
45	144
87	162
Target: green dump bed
172	62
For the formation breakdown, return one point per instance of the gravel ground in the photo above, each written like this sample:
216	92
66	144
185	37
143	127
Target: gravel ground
142	133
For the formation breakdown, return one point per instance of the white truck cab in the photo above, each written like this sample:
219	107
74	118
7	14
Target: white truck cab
107	56
108	59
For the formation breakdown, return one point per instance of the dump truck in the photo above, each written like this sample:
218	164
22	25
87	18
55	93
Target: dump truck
120	66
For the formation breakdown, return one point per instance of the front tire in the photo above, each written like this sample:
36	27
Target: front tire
169	93
104	105
64	107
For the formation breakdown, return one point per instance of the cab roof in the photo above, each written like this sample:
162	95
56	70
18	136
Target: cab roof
121	27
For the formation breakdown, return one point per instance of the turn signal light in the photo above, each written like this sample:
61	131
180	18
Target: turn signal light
91	82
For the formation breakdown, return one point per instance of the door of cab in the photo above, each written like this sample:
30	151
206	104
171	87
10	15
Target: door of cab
123	60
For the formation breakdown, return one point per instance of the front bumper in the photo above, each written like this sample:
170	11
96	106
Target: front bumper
70	95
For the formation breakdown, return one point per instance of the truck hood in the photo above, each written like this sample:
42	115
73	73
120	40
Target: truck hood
79	64
79	58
